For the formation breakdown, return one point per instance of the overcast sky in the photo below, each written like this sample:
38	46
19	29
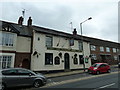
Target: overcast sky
57	14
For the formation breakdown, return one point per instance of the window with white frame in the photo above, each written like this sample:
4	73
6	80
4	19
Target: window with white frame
6	39
49	41
93	47
118	50
115	57
5	62
93	56
107	49
114	50
80	45
102	49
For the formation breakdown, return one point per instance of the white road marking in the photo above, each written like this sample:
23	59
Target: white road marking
105	86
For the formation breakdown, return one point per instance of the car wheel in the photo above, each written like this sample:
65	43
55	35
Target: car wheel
97	72
37	83
3	86
109	71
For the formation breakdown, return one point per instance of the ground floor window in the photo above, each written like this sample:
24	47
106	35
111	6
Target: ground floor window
48	58
93	57
5	62
57	60
81	59
75	59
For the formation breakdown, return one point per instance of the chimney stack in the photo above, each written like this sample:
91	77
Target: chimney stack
29	23
20	20
74	32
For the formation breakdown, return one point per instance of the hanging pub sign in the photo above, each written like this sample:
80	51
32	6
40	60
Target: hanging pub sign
71	42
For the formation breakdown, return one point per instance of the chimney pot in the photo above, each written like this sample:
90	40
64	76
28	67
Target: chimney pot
29	22
20	20
74	32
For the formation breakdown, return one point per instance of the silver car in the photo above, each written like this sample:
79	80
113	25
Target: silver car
13	77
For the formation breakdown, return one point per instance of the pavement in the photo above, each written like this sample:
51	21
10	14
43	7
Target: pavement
66	73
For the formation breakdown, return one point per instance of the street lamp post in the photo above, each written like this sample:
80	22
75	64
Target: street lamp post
82	40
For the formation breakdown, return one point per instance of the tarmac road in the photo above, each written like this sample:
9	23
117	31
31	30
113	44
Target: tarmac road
96	82
73	80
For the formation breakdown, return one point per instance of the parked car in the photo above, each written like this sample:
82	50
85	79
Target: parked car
98	68
13	77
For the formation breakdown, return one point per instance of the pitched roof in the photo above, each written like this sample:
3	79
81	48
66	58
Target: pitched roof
16	28
24	30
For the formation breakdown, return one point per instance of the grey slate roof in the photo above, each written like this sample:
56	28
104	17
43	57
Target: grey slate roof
27	31
20	30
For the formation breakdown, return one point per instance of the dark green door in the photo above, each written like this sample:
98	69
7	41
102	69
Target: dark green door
66	61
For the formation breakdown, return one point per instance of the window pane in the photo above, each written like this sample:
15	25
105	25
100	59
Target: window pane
5	61
101	49
48	41
81	59
48	58
80	46
107	49
9	61
114	50
7	39
3	38
93	48
11	40
57	60
23	72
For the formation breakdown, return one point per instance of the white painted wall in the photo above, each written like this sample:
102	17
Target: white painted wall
86	47
38	64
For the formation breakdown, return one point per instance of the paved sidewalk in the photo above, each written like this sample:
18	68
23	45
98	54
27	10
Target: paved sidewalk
59	74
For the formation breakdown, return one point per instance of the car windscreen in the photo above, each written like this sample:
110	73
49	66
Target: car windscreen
95	65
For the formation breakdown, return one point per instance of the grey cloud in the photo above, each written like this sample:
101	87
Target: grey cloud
59	15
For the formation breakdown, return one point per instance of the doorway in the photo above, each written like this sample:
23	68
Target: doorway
66	61
26	64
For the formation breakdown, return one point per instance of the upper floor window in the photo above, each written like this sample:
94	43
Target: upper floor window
80	45
118	50
114	50
102	49
107	49
49	41
93	48
6	39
